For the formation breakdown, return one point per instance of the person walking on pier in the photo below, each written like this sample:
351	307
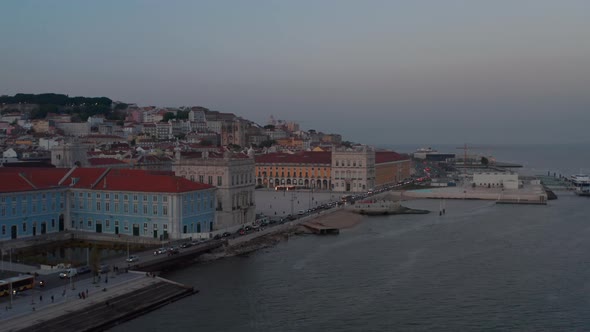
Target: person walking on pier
52	298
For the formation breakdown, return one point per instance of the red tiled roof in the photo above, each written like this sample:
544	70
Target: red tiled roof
388	156
21	179
306	157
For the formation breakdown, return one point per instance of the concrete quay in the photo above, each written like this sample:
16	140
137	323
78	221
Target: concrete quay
127	296
529	194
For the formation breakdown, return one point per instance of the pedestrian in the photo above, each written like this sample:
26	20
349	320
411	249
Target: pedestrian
40	298
51	298
106	280
63	293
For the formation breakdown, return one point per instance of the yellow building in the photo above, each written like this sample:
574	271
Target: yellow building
304	169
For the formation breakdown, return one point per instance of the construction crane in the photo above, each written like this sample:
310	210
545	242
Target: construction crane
465	149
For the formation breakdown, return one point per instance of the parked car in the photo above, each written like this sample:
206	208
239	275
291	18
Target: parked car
104	268
186	245
132	258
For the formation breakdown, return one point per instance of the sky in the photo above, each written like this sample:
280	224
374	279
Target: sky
378	72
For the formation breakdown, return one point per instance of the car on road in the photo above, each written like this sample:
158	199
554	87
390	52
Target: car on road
226	234
159	251
69	273
173	251
132	258
186	245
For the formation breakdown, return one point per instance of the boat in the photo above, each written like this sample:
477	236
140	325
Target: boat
581	184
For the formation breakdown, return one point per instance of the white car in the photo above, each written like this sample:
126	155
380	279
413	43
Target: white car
132	258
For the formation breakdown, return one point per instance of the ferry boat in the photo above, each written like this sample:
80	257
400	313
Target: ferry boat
581	183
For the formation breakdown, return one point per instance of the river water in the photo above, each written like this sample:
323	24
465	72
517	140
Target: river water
481	266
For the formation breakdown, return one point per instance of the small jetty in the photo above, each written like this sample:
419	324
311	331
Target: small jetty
379	208
319	228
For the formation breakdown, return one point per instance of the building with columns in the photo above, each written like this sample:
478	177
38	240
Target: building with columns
306	169
233	176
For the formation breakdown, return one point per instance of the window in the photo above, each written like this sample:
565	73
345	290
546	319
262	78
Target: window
98	196
154	198
13	210
155	226
125	197
116	223
145	209
3	229
145	225
89	222
165	199
3	213
107	223
135	198
116	207
97	206
126	225
88	195
116	196
107	196
145	198
155	209
165	210
201	179
219	180
107	206
125	208
134	208
165	226
210	179
80	195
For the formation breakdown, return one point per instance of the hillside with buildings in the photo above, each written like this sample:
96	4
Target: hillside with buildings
100	174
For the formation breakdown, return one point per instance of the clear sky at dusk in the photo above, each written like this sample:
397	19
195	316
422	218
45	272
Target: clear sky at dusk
412	71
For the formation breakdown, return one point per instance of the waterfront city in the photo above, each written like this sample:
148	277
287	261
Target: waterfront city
294	166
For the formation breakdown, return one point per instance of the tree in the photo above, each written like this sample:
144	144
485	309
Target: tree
95	261
168	116
267	143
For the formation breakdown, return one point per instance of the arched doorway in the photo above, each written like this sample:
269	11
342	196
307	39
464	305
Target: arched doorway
306	183
325	184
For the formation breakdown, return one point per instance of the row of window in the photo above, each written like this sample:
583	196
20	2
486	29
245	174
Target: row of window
28	197
116	207
263	174
24	226
35	207
107	223
196	206
125	197
347	163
